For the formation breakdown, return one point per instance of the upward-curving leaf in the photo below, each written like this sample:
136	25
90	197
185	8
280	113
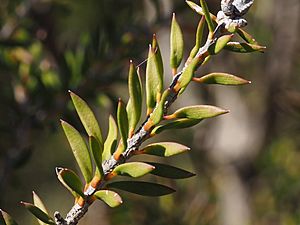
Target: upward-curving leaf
87	117
70	180
122	122
111	140
38	213
176	44
111	198
96	150
134	106
6	219
79	149
154	77
38	203
221	78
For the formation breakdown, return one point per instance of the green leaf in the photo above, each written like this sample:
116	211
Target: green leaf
199	10
158	56
134	106
247	37
79	149
96	150
111	198
87	117
198	112
168	171
164	149
38	213
199	35
70	180
188	73
158	112
208	19
133	169
220	44
122	122
142	188
38	203
176	44
6	219
244	47
154	78
221	78
176	124
111	140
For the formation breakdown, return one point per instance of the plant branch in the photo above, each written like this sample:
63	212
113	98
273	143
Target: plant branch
143	133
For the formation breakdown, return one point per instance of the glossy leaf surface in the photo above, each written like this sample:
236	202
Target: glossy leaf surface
246	36
220	44
199	35
176	124
134	106
87	117
244	47
111	140
6	219
96	150
208	19
154	79
38	213
221	78
109	197
198	112
168	171
133	169
176	44
79	149
123	122
142	188
164	149
38	203
70	180
157	114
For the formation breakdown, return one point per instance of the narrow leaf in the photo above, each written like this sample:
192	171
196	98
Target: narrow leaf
70	180
142	188
158	56
244	47
134	106
154	79
122	122
87	117
220	44
175	124
168	171
111	140
38	203
111	198
208	19
38	213
199	35
133	169
221	78
6	219
158	112
79	149
96	150
176	44
164	149
198	112
199	10
188	73
246	36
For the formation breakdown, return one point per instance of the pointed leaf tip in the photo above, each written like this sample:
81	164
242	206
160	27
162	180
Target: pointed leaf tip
38	213
176	44
221	78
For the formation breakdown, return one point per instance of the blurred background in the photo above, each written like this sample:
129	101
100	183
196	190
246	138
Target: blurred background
247	162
